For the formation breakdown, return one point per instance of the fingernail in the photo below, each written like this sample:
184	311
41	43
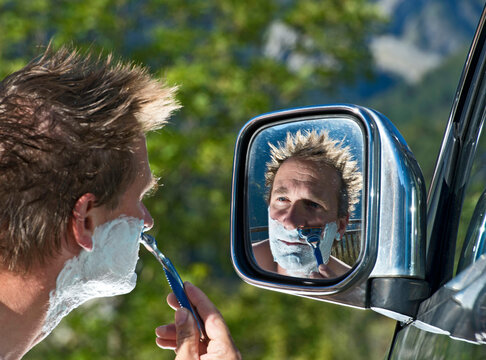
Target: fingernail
180	316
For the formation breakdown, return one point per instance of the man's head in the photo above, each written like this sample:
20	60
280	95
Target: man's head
320	165
313	183
72	128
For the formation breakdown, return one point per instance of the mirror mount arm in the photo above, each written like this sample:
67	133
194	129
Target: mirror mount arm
398	298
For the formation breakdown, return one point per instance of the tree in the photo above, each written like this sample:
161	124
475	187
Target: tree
232	60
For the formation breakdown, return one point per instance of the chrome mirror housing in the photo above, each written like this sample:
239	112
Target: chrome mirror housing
386	230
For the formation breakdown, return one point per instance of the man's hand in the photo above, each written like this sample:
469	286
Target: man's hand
183	335
325	272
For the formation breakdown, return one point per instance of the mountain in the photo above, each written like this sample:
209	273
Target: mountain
418	37
421	110
421	34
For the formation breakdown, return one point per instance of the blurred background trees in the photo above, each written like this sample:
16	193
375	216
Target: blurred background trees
233	60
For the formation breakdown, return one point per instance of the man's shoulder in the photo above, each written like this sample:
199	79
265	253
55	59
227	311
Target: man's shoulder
261	244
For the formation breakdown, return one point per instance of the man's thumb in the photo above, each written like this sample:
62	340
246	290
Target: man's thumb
187	335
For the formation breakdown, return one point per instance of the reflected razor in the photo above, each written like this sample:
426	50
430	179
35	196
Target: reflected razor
313	238
175	281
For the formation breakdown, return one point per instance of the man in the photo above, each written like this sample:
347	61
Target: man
313	185
73	173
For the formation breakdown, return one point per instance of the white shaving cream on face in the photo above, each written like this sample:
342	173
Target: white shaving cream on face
107	270
327	240
298	259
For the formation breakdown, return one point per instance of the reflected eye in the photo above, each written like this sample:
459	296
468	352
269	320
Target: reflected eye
280	201
313	205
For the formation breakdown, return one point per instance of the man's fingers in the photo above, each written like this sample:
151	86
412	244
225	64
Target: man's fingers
172	301
166	336
166	332
166	344
205	307
315	275
326	272
184	334
198	299
215	326
187	335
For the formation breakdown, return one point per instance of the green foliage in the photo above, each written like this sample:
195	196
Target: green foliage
217	53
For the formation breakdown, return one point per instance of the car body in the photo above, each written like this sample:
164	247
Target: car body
406	266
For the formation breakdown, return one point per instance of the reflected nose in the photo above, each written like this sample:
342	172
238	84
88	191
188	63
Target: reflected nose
148	221
294	218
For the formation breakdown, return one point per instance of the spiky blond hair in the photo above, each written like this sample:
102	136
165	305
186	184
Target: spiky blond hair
321	149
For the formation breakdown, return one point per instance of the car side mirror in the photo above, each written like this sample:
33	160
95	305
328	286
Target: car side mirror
328	202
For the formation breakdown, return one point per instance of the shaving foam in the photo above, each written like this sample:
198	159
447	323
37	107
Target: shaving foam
298	259
107	270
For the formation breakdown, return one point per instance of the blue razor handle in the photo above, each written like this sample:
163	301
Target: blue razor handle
313	238
177	285
318	256
175	281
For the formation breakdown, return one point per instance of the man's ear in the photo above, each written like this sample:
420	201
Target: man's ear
342	223
82	223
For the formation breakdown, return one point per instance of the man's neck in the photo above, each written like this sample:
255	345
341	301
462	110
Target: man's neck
24	299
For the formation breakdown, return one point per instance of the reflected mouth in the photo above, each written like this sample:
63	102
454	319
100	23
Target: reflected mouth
292	243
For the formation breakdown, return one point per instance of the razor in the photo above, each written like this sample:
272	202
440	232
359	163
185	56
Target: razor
313	237
175	281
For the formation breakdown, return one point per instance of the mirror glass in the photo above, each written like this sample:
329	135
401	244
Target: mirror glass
304	197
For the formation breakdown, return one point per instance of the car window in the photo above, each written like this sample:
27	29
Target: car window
471	225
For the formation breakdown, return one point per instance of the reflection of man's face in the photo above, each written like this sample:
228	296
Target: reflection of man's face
304	194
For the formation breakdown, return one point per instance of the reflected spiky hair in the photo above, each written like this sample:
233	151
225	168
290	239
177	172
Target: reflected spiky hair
320	149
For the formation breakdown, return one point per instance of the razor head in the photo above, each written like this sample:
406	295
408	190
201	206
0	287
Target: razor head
151	245
311	235
147	240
